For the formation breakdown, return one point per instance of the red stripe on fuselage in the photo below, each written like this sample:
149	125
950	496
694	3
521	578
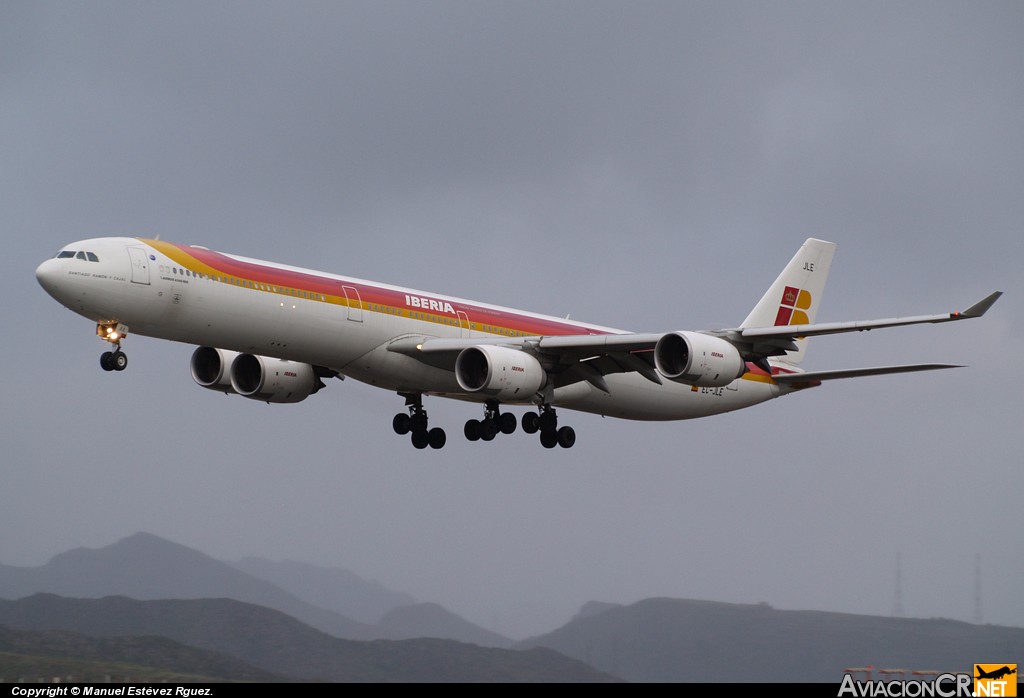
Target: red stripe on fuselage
500	319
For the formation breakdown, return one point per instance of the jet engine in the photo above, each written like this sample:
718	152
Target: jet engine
698	359
273	380
211	368
501	373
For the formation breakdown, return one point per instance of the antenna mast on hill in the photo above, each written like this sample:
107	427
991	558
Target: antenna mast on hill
977	589
897	606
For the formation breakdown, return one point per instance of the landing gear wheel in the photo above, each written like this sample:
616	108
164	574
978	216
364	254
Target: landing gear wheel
472	430
547	421
401	424
488	429
436	437
548	438
105	361
420	440
506	423
566	437
119	360
530	422
416	423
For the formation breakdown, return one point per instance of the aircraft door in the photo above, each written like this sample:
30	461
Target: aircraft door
140	265
463	323
355	303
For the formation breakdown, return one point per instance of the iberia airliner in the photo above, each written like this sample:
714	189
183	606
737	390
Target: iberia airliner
274	332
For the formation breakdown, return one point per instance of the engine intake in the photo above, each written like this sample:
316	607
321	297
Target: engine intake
211	368
273	380
698	359
499	372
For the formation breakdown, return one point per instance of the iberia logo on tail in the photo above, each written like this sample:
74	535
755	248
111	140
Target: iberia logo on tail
795	301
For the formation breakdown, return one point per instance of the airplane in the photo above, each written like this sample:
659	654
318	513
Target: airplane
996	674
274	332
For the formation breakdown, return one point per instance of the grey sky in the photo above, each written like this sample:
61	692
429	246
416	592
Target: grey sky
650	166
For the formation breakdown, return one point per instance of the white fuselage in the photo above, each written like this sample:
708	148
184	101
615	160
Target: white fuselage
196	296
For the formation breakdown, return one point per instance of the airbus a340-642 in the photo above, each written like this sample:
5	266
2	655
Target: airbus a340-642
273	332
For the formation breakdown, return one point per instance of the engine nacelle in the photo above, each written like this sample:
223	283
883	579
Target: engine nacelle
211	368
499	372
698	359
272	380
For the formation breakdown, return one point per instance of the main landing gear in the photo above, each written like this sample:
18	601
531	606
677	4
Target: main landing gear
494	422
115	360
546	422
416	423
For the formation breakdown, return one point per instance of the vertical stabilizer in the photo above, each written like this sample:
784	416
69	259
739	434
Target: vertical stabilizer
796	295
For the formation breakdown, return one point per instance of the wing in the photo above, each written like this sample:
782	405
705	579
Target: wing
775	341
567	359
759	343
573	358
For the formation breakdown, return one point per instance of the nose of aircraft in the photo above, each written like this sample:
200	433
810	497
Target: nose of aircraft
46	275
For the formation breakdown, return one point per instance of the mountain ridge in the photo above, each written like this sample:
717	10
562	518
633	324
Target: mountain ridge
274	642
145	566
662	640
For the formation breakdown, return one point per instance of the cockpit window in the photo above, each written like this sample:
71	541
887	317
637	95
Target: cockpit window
92	257
80	255
65	254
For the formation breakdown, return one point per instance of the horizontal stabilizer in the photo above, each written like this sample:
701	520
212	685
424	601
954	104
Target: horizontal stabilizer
812	376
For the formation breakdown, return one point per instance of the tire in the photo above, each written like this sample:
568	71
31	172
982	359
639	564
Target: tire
105	361
472	430
530	422
488	429
566	437
548	439
418	422
436	437
507	423
119	361
401	424
420	440
547	421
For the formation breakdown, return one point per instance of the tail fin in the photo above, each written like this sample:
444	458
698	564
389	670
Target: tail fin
795	296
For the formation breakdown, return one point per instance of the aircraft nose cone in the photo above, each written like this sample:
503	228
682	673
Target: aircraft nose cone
47	275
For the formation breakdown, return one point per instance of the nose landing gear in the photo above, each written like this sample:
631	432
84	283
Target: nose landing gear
111	332
114	360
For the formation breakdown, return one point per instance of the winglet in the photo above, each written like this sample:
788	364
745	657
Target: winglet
981	307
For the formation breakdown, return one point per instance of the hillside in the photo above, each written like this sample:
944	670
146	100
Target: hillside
274	642
432	620
147	567
704	641
49	653
332	588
